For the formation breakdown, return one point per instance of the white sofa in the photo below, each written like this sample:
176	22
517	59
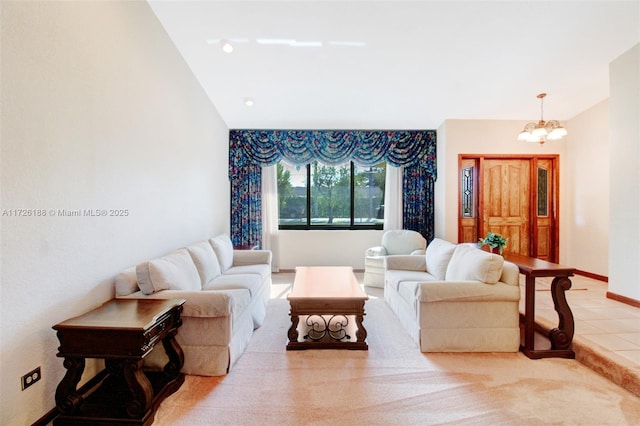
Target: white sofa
397	241
456	298
226	293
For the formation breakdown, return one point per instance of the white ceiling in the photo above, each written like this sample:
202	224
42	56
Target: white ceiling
400	64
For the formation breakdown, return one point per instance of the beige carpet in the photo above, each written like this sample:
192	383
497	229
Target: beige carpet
393	383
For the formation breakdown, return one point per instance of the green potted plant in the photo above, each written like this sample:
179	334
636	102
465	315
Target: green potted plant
494	241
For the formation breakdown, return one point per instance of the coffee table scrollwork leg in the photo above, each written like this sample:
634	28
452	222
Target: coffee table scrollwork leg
293	330
562	336
68	400
361	333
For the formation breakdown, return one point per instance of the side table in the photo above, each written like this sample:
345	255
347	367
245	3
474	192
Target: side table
560	337
122	332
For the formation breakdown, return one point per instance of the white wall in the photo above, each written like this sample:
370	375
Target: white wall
587	191
325	248
491	137
440	187
624	242
99	111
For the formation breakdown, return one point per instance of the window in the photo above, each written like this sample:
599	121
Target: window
317	196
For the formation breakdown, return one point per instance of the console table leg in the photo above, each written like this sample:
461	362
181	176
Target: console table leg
562	336
529	312
141	390
68	400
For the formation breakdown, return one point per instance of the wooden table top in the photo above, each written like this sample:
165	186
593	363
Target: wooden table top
326	282
122	314
537	267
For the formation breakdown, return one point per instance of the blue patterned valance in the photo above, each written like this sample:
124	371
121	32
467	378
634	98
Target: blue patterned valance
250	150
332	147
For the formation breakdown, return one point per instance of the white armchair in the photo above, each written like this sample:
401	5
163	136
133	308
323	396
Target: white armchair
401	241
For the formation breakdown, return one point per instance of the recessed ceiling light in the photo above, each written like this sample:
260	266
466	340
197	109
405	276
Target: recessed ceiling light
248	102
227	47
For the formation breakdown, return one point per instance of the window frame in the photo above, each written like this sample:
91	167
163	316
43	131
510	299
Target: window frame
352	225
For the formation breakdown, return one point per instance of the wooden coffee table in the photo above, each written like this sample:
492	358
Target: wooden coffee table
330	303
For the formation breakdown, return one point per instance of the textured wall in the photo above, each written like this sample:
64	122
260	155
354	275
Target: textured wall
624	242
99	112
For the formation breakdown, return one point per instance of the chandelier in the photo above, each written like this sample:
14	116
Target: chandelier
542	131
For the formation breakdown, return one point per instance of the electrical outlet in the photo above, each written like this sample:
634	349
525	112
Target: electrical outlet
31	377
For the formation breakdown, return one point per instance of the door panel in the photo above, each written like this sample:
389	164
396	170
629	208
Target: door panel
544	213
468	227
516	197
506	201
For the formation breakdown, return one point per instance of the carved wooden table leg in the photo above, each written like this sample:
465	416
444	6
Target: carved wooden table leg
68	400
293	330
562	336
361	332
529	313
175	354
141	390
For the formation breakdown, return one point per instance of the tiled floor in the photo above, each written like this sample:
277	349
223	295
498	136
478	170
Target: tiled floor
607	327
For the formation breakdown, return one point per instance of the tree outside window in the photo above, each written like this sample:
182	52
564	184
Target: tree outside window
331	197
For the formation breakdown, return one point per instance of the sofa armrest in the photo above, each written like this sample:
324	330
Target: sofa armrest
406	262
251	257
376	251
469	291
203	304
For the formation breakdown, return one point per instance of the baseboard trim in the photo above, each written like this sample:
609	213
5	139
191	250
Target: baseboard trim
623	299
592	276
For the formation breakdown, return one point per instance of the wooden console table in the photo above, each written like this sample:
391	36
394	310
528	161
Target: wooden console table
122	332
561	336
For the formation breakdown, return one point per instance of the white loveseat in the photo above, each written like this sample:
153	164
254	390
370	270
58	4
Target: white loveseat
455	298
226	293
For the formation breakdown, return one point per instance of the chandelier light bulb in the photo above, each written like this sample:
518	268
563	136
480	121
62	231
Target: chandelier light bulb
542	131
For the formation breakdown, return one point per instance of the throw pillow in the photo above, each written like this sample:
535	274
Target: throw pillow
437	257
471	263
224	250
126	282
205	260
172	272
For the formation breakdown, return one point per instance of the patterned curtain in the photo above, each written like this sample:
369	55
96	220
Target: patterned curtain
417	187
249	150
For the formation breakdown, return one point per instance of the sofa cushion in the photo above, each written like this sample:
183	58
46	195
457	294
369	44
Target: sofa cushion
224	250
205	260
263	270
251	282
175	271
467	291
126	282
393	277
470	263
437	257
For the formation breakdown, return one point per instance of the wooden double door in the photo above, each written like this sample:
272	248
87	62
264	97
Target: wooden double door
515	196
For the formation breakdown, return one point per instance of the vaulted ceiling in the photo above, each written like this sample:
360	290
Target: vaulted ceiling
399	64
